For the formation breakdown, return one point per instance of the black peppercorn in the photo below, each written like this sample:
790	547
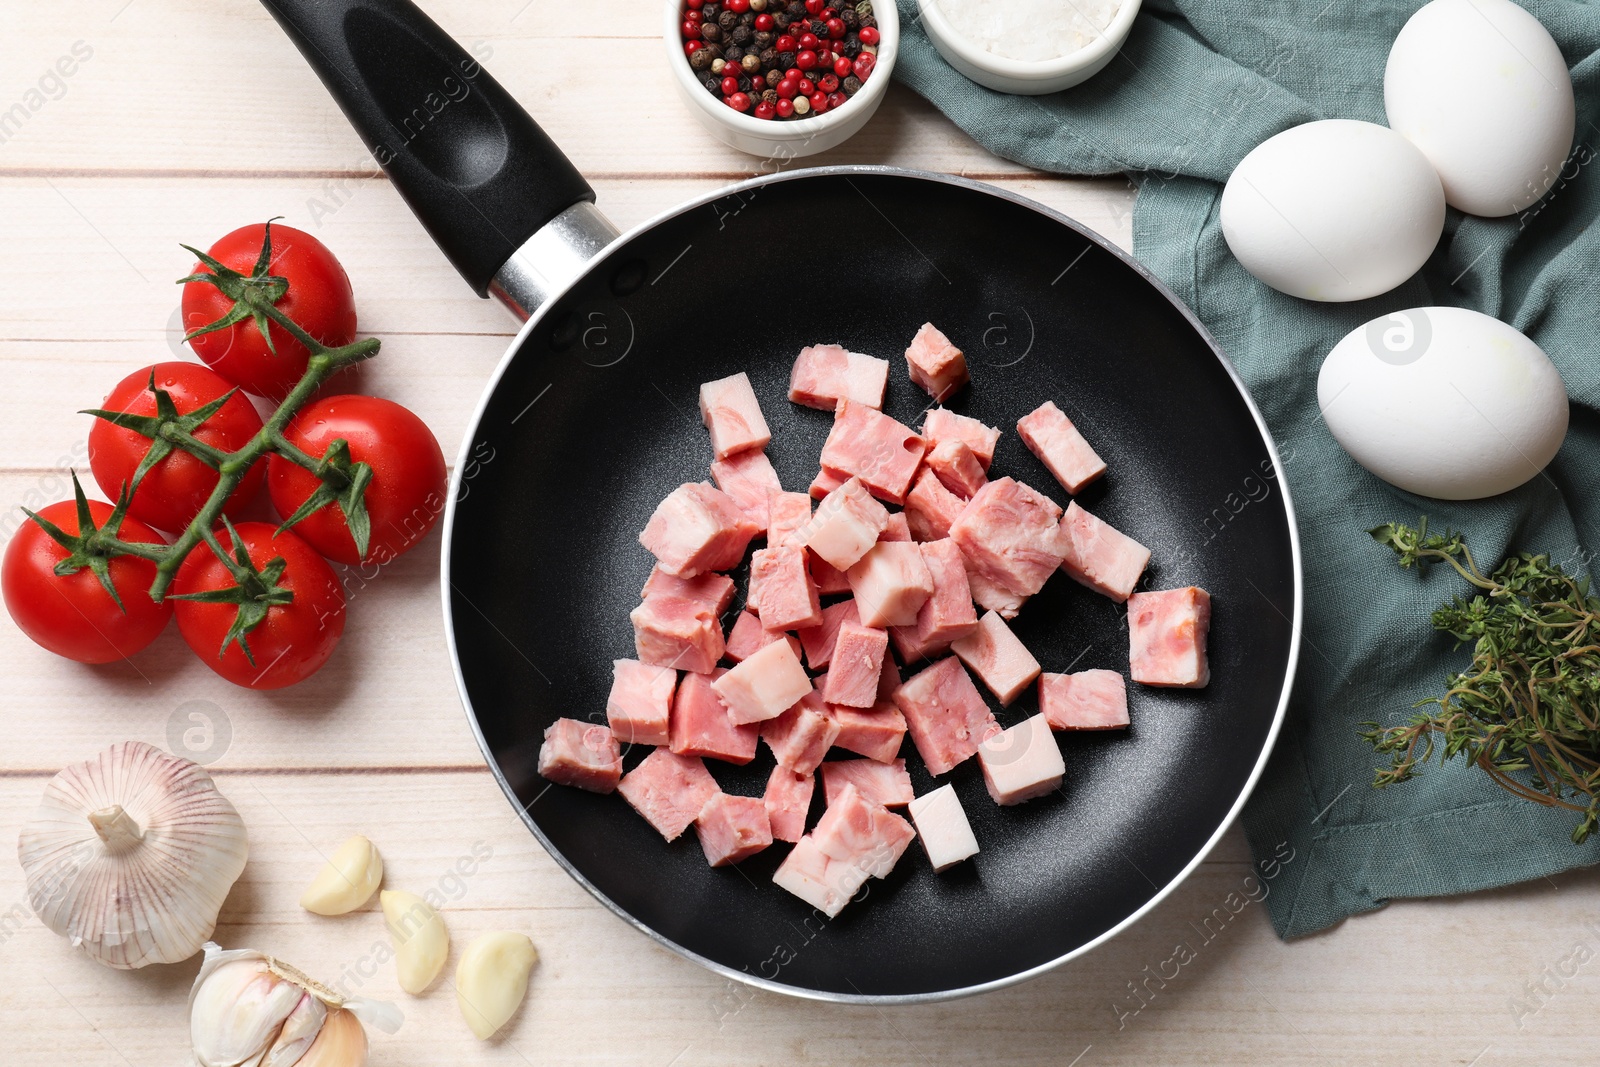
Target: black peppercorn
700	59
711	32
712	83
851	85
770	97
709	12
747	18
733	53
796	9
745	84
869	20
850	17
850	47
781	20
818	27
773	78
785	60
763	39
769	58
741	35
727	20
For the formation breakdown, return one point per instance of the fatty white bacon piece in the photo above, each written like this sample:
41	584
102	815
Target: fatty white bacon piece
942	828
764	685
823	375
1022	762
846	524
890	584
936	366
941	424
729	408
809	873
1001	662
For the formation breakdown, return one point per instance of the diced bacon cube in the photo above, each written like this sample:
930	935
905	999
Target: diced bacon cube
943	828
580	754
1010	534
942	425
670	631
668	790
937	367
747	637
640	702
991	597
1087	700
801	736
1022	762
787	799
856	666
956	467
749	479
886	784
890	584
829	579
818	641
1167	637
787	515
945	714
711	589
697	528
732	828
855	830
730	411
945	616
875	448
764	685
994	654
899	528
931	509
826	482
875	732
1050	435
701	725
823	375
787	597
826	884
1100	556
847	523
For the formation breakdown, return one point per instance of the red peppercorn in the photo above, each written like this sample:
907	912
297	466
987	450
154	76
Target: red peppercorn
869	35
819	102
864	64
842	67
730	85
830	13
806	60
739	101
828	83
787	89
836	28
806	87
738	7
786	43
691	47
813	7
836	100
693	5
809	41
691	30
763	21
793	74
824	58
785	106
694	16
765	110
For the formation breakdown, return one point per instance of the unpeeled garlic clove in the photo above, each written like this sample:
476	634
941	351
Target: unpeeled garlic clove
342	1043
492	980
346	881
300	1029
237	1010
421	943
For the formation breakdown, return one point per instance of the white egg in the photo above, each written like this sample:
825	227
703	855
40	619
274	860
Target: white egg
1333	210
1444	402
1481	88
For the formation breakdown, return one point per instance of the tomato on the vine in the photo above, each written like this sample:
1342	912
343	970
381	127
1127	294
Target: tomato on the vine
403	500
173	491
301	608
73	615
318	299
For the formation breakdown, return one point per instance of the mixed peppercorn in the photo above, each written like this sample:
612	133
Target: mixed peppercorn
781	59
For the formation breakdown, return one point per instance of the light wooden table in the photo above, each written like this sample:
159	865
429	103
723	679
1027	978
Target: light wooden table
192	117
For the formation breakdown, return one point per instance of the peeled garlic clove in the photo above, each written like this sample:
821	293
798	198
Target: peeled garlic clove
237	1010
300	1029
346	881
421	943
492	979
342	1043
130	855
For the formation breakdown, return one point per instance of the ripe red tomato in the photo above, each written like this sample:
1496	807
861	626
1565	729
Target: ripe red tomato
319	300
174	490
72	615
405	497
293	641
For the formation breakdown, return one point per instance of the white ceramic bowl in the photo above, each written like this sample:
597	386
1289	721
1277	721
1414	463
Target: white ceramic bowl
790	139
1026	78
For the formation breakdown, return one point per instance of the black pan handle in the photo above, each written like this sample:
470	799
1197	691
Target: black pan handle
474	166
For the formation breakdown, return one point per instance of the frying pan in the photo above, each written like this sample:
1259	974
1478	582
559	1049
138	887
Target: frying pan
590	419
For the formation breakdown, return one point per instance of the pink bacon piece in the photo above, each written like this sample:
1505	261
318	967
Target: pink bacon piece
946	716
801	736
781	589
886	784
823	375
856	666
1087	700
847	523
994	654
581	755
1100	556
876	732
1010	534
1050	435
732	829
818	641
787	515
956	467
731	413
937	367
749	479
1167	637
787	799
640	702
875	448
701	725
890	584
670	631
697	528
711	589
669	790
747	636
931	508
941	425
945	616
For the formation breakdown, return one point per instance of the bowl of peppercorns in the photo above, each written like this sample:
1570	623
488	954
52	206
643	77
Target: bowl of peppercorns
782	78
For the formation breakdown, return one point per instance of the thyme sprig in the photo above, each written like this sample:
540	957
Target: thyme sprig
1527	710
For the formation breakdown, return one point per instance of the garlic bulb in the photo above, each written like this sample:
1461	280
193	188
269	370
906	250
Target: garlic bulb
130	855
249	1010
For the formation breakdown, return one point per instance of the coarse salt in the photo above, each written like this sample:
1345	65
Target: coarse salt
1029	30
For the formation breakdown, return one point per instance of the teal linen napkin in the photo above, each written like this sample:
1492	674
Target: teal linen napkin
1198	84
